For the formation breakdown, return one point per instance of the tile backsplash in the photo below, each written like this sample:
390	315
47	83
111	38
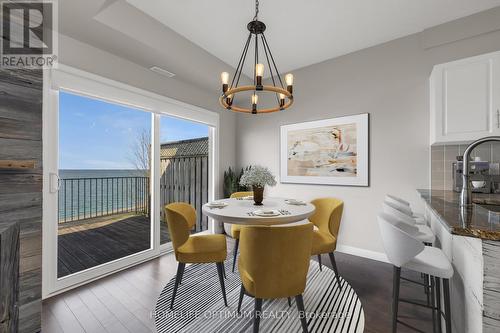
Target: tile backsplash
442	158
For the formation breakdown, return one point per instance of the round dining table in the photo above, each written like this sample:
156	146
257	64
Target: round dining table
241	211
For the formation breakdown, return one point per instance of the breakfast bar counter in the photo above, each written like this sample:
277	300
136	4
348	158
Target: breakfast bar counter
481	221
471	240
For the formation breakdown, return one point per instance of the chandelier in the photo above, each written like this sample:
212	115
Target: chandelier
284	95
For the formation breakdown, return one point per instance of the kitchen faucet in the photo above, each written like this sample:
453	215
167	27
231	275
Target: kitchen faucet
466	194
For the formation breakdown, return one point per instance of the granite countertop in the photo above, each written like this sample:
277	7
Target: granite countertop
479	221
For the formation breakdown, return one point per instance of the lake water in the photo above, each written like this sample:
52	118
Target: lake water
92	193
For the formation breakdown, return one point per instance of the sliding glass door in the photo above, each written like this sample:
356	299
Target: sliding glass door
184	168
104	177
113	157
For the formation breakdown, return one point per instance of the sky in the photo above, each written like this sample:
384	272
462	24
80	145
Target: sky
94	134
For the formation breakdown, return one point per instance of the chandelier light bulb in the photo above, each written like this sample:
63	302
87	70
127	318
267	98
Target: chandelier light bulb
224	76
255	99
289	82
259	70
282	100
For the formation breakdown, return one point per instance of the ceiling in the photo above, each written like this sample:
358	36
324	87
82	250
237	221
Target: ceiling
116	27
301	33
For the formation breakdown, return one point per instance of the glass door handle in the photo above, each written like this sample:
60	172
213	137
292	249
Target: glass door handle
55	183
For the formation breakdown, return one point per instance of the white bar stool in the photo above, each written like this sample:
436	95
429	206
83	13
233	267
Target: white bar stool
405	206
425	233
404	250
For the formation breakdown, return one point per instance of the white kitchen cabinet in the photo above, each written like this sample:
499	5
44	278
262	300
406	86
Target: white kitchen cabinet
465	99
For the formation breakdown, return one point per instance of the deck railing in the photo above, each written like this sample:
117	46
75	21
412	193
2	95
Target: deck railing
185	179
182	179
84	198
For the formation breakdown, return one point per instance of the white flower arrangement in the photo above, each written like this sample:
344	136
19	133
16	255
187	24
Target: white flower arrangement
257	176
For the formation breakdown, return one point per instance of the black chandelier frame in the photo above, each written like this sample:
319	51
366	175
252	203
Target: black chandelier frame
284	95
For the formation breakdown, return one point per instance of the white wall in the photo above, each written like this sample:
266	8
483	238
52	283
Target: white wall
389	81
91	59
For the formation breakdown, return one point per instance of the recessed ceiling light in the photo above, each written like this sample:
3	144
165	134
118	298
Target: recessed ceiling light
162	71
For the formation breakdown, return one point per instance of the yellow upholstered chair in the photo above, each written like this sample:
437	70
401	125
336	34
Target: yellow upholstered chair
235	228
273	264
181	218
326	218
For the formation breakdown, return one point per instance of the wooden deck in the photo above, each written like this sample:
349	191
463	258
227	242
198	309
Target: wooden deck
82	249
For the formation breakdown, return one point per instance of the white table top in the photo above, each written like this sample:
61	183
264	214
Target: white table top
237	212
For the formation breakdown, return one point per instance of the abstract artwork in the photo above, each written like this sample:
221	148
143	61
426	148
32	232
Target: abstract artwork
331	151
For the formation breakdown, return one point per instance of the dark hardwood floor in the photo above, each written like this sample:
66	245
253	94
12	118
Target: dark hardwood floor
123	302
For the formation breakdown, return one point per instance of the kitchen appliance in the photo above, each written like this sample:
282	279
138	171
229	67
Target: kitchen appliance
482	174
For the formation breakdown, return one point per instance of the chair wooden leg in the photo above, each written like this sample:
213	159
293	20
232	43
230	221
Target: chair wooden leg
224	270
320	265
178	277
235	252
220	270
438	303
447	307
395	297
242	293
289	302
302	312
334	265
257	315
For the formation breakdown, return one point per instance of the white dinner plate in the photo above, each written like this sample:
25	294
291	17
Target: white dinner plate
217	204
266	212
295	202
248	197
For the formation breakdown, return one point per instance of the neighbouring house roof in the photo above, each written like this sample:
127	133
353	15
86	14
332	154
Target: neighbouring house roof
184	148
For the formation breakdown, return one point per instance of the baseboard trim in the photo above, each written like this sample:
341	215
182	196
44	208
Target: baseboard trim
356	251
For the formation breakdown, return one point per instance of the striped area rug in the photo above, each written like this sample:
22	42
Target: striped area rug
199	306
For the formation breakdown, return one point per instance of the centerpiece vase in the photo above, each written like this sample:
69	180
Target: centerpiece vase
258	195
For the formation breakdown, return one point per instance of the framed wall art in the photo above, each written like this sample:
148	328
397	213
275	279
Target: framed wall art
329	152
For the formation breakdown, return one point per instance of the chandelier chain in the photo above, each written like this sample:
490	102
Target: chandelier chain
255	18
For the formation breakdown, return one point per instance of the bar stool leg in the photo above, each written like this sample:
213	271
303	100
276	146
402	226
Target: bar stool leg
426	289
427	281
320	265
395	297
447	308
438	302
433	304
